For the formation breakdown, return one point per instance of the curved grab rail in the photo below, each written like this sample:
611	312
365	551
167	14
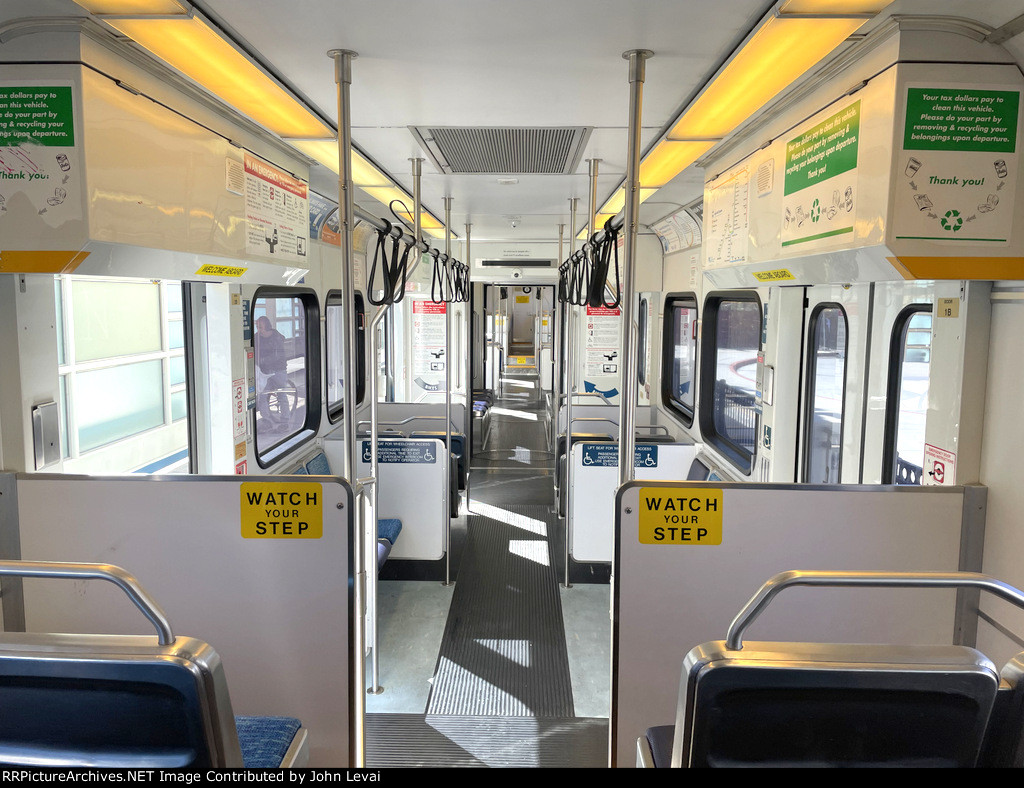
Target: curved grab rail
783	580
113	574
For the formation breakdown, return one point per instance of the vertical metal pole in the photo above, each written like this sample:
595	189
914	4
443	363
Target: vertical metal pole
570	381
556	346
343	78
371	535
467	413
592	208
627	404
448	392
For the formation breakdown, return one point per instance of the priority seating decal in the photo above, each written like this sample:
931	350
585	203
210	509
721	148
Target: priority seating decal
282	510
680	516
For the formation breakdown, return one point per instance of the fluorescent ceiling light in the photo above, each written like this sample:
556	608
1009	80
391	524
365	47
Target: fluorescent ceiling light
779	53
668	159
782	50
326	153
198	51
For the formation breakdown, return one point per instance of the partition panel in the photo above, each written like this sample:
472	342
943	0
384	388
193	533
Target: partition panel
679	589
276	608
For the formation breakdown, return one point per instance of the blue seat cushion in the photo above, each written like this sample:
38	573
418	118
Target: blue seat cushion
389	529
318	466
265	740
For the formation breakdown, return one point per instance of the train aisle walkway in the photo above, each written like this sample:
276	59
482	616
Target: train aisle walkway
501	693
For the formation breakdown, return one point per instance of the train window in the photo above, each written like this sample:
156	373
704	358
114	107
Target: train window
286	339
120	350
679	356
823	442
907	396
732	331
336	354
641	356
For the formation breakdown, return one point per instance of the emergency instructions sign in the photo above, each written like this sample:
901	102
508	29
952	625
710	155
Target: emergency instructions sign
282	510
680	516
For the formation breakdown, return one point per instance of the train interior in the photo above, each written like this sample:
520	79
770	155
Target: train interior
456	384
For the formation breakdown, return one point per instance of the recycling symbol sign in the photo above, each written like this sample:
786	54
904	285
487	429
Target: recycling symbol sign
951	221
815	211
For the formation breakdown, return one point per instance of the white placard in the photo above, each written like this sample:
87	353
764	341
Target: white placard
602	353
957	173
276	212
939	466
428	331
727	218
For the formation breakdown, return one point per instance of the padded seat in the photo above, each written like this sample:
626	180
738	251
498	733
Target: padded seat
265	741
318	465
388	530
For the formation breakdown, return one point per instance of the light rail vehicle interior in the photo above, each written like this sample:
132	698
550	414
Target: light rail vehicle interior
462	383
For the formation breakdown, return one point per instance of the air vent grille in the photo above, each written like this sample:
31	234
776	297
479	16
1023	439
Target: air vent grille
504	151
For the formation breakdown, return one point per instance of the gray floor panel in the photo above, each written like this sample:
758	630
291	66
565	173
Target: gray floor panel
447	741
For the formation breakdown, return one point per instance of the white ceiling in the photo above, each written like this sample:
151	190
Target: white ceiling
505	63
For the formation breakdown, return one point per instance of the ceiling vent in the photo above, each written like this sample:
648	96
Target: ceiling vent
504	151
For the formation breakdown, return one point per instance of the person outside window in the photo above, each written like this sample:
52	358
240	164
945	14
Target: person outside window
272	361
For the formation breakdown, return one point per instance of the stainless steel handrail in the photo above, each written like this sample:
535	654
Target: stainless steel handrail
112	574
783	580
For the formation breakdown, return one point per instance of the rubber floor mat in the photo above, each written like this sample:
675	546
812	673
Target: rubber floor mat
503	652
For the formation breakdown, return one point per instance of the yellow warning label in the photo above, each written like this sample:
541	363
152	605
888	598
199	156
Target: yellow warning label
778	275
523	299
277	510
232	271
680	516
240	450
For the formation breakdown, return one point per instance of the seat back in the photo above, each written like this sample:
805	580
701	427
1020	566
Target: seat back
1004	746
112	700
809	704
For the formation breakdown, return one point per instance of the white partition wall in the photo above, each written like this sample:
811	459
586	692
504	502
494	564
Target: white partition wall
594	480
674	591
413	487
277	610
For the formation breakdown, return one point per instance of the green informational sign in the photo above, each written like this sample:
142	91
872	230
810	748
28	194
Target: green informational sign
823	151
961	120
40	115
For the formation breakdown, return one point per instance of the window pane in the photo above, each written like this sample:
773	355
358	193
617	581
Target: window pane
684	332
173	297
60	319
179	405
824	446
116	402
641	355
913	398
335	358
175	335
280	370
177	369
103	309
737	331
65	445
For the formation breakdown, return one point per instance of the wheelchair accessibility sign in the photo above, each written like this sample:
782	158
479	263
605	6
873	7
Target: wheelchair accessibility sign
645	455
401	451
